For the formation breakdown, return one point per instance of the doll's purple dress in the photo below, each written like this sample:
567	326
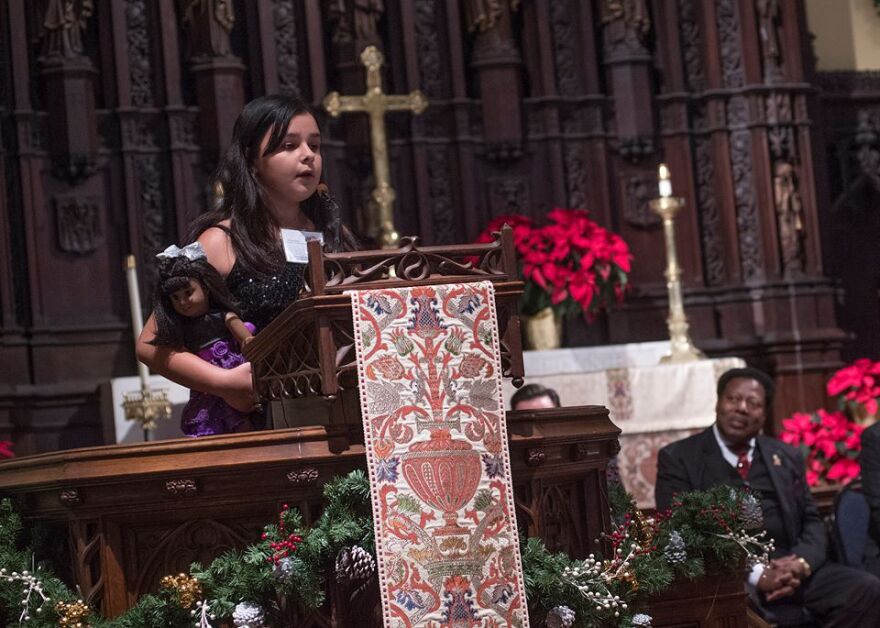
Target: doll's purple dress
209	338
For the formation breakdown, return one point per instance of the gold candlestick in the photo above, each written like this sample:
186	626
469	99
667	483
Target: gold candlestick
146	406
667	206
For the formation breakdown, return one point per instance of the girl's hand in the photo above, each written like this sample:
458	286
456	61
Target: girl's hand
238	388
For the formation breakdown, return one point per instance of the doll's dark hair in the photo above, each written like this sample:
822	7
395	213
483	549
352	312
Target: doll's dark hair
174	275
253	230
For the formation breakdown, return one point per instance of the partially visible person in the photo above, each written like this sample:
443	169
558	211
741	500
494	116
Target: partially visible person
869	459
733	452
538	397
534	397
270	179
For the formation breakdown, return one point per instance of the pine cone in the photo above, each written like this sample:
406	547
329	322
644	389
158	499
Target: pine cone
641	620
753	516
247	615
675	550
560	617
354	563
284	569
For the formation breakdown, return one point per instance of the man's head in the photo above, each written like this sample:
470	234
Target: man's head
744	395
534	397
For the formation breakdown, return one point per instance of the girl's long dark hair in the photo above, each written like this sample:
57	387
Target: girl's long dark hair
253	230
174	275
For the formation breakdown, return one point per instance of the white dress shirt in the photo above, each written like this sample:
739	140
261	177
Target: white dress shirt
732	459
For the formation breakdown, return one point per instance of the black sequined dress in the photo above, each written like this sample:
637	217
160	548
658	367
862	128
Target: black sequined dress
262	298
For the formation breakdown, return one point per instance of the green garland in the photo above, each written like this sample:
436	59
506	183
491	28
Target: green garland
291	563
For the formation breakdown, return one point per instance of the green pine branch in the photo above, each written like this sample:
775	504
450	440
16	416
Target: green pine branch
251	575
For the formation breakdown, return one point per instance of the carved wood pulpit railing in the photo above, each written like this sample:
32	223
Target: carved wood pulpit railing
307	352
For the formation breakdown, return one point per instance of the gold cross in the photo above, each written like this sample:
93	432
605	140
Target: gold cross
375	102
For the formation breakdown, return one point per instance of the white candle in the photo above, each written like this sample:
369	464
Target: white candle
137	325
665	181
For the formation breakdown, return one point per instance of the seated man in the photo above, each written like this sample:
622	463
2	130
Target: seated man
733	452
869	459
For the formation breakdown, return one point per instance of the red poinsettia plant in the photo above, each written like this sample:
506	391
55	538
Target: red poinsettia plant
570	263
830	442
857	385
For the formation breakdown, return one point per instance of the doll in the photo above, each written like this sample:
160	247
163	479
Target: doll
194	309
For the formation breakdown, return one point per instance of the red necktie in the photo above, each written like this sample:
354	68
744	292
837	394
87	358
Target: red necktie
742	464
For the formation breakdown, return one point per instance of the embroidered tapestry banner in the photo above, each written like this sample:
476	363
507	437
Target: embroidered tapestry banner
436	440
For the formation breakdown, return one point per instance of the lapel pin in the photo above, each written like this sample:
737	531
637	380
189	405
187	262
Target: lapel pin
777	462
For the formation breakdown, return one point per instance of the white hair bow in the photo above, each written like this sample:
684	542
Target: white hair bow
191	252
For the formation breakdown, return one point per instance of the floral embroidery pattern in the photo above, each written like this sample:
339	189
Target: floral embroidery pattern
436	438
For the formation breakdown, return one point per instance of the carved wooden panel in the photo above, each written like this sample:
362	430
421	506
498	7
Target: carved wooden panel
110	135
155	551
131	531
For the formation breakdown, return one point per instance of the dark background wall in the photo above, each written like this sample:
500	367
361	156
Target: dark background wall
113	113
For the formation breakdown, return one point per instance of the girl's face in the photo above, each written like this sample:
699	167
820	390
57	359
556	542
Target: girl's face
190	301
292	173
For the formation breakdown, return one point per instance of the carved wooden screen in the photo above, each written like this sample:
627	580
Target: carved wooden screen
114	112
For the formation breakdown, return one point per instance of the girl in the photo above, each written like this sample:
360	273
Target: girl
270	180
193	308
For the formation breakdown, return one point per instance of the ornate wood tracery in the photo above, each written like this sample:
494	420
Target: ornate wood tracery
308	350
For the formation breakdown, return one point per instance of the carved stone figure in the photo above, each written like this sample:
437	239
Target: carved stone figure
366	17
356	20
768	15
63	25
209	23
789	216
626	24
482	15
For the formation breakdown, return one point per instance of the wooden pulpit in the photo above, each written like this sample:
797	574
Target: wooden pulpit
135	513
307	353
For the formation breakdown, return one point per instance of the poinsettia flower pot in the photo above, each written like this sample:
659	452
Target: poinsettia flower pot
543	330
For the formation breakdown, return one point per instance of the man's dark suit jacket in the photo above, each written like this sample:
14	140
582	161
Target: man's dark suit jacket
869	459
695	463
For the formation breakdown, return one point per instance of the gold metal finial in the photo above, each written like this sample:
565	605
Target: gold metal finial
147	407
682	349
376	103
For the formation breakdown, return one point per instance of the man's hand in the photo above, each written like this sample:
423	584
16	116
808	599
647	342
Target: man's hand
777	582
794	565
